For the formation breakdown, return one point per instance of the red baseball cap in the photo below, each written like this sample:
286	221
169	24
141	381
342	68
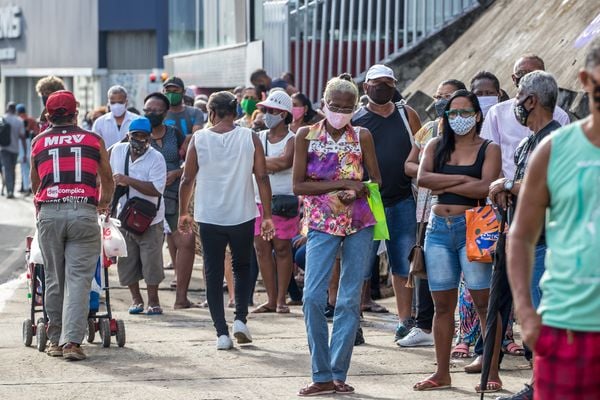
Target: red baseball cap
61	102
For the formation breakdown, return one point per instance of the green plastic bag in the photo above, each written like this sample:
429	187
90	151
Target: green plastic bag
376	204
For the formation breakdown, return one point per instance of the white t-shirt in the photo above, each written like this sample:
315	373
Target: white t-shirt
224	191
281	181
106	127
150	167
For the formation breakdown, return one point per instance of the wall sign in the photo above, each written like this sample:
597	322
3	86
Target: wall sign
10	22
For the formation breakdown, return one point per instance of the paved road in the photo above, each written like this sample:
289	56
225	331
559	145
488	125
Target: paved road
16	222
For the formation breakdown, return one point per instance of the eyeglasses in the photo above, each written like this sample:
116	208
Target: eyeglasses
334	109
153	111
465	113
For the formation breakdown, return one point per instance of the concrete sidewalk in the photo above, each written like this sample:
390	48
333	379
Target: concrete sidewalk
173	356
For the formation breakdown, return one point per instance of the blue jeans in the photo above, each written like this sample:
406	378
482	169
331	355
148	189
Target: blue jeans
330	361
446	256
402	225
539	267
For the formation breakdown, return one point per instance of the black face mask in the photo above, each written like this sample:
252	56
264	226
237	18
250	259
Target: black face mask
380	94
44	100
521	113
138	147
440	106
155	119
596	93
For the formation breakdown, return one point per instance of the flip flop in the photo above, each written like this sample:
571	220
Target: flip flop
513	349
342	387
317	389
263	308
154	310
491	387
433	385
282	309
460	351
136	309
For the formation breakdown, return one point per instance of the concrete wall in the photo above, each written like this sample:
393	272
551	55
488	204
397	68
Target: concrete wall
510	28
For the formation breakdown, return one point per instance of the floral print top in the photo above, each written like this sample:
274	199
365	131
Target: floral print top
329	160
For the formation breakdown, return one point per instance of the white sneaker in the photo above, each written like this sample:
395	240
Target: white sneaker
224	343
416	338
241	332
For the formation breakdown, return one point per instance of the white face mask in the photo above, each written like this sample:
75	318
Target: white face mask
118	109
486	102
461	126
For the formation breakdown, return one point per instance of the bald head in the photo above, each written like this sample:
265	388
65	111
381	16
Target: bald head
525	64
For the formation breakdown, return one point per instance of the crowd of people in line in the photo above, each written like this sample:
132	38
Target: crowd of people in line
269	183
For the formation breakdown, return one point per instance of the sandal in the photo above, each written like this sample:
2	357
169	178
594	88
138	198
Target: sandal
491	387
460	351
282	309
263	308
136	308
430	384
342	387
154	310
317	389
513	349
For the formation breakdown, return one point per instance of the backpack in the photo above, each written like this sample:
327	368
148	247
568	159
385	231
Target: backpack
5	132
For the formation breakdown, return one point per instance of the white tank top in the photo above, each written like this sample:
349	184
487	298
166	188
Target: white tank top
281	181
224	192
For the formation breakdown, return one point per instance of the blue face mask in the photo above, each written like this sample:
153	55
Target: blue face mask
461	126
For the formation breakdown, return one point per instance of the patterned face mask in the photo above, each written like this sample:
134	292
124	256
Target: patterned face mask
461	125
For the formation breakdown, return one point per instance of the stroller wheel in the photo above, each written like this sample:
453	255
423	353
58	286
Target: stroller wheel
91	332
105	331
27	332
41	336
120	333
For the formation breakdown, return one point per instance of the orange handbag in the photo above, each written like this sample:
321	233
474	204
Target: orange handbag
483	230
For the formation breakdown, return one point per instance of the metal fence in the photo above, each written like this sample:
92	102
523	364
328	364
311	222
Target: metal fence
328	37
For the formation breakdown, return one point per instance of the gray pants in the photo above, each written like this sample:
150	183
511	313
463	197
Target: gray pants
9	162
69	237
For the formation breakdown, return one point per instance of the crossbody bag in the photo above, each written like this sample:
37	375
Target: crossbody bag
282	205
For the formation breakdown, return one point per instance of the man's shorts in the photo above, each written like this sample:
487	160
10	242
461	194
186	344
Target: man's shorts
144	257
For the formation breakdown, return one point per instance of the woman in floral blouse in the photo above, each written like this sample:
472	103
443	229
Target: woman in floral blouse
329	166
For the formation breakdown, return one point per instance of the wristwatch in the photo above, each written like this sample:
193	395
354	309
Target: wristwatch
508	185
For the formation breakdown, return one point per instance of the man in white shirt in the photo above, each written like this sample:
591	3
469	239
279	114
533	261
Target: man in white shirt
500	124
142	172
113	126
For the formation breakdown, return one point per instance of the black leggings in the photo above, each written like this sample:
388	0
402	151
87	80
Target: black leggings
214	239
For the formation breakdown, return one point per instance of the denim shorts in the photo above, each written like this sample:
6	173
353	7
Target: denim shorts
446	256
402	224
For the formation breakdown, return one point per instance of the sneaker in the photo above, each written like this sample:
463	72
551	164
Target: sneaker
224	343
403	328
74	352
416	338
54	350
241	332
359	338
524	394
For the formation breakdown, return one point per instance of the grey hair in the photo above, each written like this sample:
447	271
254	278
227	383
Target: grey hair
543	85
592	56
117	89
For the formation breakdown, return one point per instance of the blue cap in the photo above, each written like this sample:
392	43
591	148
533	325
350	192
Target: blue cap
141	124
20	108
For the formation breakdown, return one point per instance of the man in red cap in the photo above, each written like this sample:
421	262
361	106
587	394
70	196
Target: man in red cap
66	162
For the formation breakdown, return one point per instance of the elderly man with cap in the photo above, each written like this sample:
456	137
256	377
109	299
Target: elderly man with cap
393	126
278	142
66	162
140	173
187	119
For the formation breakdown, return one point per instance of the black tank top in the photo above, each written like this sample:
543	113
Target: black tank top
473	170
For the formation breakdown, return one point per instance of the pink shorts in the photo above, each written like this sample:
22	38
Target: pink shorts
285	228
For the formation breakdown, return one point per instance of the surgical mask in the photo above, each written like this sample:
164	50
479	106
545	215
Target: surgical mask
521	113
272	120
138	147
248	105
155	119
486	102
337	120
461	125
174	98
297	113
380	94
117	109
440	106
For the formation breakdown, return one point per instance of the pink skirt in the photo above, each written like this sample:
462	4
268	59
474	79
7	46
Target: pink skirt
285	228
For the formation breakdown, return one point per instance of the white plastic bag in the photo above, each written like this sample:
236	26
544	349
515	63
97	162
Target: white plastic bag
35	254
113	242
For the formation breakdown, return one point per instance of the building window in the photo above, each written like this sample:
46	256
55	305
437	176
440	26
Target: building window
185	25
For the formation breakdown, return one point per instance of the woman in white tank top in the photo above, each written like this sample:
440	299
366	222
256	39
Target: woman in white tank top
278	142
222	160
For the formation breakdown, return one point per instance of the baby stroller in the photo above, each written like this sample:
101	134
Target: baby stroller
103	323
37	288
